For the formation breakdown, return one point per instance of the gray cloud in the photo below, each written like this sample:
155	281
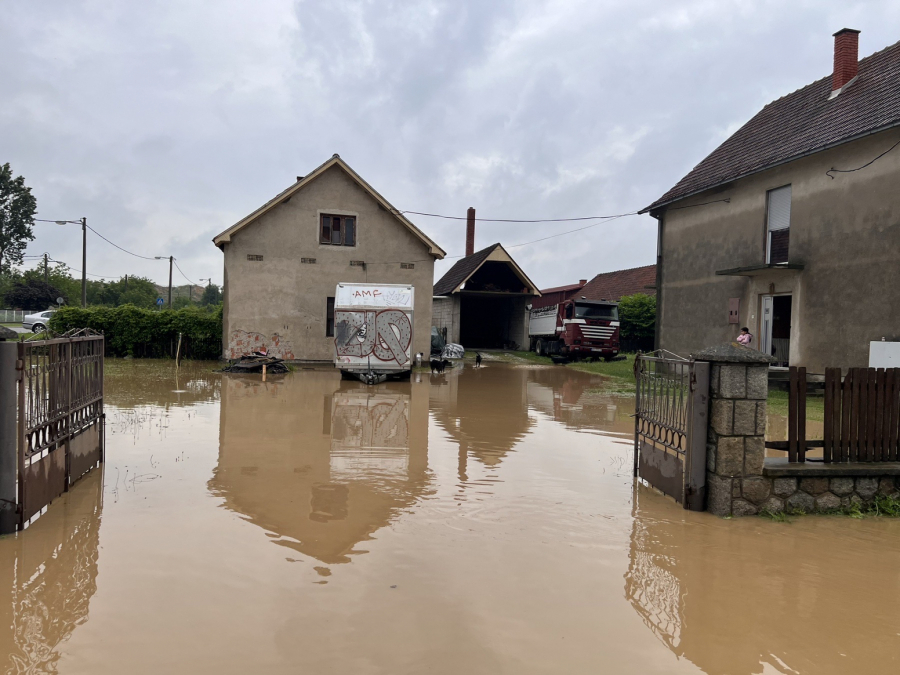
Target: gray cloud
166	122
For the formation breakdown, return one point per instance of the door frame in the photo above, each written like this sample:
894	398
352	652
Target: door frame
765	336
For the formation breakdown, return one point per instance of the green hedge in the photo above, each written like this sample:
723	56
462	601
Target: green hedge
146	333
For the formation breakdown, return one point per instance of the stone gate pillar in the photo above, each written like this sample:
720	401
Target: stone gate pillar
738	388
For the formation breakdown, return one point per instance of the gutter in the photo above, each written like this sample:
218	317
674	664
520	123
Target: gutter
828	146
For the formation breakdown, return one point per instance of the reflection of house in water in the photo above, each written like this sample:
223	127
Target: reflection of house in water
48	575
566	396
484	409
737	600
319	462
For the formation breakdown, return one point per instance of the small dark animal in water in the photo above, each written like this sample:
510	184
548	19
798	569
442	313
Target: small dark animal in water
477	360
439	366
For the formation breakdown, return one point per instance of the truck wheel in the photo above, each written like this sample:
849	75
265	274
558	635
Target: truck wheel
539	347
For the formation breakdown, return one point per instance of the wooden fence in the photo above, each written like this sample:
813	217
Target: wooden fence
862	416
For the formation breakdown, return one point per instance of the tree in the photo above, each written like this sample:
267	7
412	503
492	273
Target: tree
637	314
211	295
32	294
17	209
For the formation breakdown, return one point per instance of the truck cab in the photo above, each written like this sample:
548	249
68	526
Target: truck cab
578	328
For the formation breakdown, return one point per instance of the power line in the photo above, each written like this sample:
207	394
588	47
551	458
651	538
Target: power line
514	220
183	274
832	170
117	246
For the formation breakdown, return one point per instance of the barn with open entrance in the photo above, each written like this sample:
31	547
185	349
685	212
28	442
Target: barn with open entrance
482	301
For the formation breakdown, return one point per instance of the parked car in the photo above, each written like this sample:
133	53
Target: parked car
37	323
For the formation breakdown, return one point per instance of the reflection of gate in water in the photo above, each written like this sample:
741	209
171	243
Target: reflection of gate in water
671	404
369	433
60	417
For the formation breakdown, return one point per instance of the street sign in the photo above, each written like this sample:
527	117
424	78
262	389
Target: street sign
160	301
60	301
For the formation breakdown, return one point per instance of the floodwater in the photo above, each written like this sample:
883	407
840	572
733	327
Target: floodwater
482	521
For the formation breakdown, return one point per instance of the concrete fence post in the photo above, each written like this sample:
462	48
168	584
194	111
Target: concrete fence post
8	434
738	389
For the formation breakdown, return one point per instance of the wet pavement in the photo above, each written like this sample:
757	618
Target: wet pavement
480	521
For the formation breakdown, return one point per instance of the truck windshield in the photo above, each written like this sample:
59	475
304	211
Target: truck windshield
607	312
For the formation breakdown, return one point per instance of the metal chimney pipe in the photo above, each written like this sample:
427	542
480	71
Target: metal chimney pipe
470	231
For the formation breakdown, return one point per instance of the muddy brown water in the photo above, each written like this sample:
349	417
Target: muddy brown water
483	521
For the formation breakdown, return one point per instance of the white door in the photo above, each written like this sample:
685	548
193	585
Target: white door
765	325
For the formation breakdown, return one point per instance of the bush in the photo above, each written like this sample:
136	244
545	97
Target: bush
637	314
32	295
133	331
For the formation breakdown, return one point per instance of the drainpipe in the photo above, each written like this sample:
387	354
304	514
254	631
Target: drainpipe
660	218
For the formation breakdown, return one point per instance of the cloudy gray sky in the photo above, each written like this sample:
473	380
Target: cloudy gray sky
164	122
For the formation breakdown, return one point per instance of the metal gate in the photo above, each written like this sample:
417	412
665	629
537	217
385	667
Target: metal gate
60	417
670	426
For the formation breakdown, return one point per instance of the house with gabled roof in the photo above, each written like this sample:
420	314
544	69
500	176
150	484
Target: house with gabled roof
791	227
482	300
284	260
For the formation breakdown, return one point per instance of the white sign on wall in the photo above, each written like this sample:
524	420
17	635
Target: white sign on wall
373	295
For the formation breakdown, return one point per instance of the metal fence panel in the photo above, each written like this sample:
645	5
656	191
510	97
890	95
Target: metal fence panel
670	426
60	416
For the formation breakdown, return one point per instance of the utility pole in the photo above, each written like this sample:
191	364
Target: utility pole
46	273
84	261
126	285
171	260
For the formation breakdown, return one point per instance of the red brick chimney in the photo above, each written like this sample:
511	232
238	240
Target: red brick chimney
582	282
470	231
846	57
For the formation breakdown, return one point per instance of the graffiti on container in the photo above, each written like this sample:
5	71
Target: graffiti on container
244	342
385	335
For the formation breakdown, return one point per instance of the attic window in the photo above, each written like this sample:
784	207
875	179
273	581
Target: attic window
337	230
407	266
253	257
308	261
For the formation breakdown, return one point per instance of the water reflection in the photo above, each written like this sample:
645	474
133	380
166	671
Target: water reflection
757	596
157	382
49	575
484	409
321	463
577	400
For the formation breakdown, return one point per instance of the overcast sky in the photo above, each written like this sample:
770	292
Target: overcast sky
164	122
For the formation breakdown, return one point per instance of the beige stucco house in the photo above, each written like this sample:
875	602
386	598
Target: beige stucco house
284	260
792	226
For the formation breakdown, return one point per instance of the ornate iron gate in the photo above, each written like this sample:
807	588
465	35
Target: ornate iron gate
670	427
60	417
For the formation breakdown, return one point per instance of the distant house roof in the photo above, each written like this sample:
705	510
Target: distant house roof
802	123
225	237
464	268
615	285
561	289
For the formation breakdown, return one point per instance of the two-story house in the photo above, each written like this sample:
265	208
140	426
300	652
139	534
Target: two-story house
284	261
791	227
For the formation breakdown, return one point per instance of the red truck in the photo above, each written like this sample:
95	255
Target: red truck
576	329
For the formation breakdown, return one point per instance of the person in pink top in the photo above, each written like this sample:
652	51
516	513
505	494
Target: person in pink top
745	338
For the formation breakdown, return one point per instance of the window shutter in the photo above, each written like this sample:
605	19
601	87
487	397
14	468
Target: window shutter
779	208
349	232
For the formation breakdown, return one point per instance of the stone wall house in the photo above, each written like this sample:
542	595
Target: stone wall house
791	227
284	261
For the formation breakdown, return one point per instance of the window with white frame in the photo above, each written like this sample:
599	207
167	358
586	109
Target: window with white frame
778	224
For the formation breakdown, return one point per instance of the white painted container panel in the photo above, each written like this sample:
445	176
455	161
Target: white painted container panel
884	355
